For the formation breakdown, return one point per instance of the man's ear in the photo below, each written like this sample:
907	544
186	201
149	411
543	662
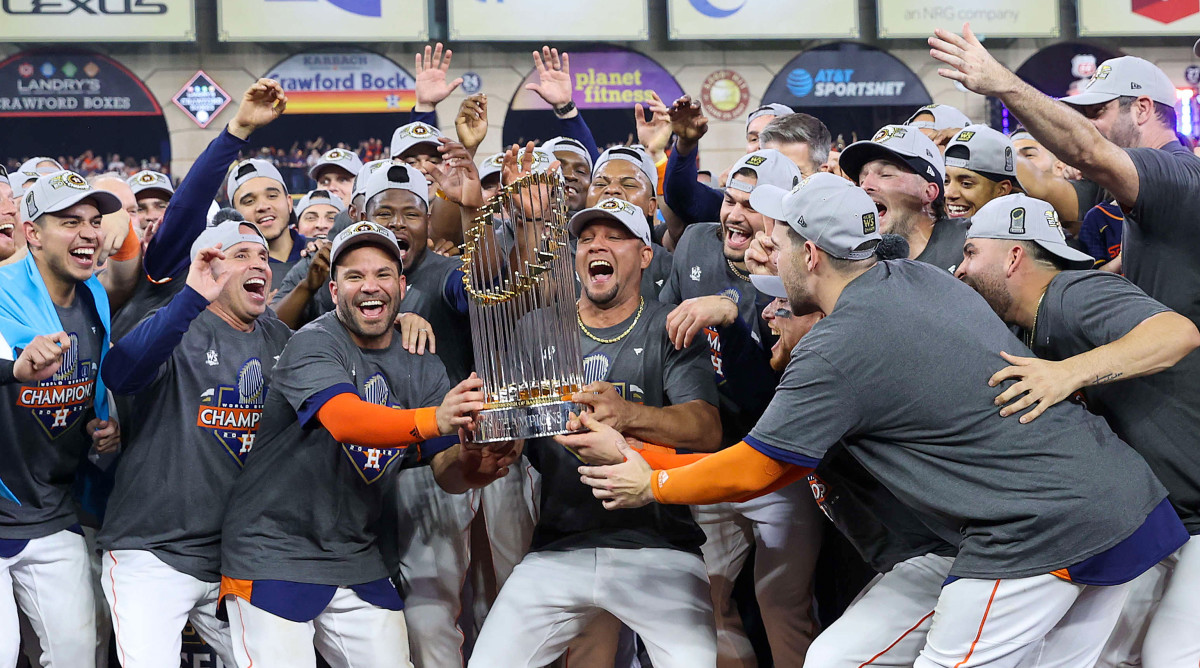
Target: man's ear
31	234
647	257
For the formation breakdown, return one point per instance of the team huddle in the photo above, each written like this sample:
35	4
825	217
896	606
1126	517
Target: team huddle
257	418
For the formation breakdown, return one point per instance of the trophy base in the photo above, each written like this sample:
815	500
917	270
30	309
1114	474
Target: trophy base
523	422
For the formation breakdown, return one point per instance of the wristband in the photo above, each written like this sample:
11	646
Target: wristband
130	248
565	109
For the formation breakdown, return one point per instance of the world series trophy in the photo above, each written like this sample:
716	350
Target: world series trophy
520	283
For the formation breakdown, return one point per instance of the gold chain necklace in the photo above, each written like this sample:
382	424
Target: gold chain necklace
1031	338
737	272
588	333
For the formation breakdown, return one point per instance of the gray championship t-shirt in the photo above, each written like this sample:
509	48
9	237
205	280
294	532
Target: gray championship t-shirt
305	506
1159	415
699	269
899	371
43	430
195	425
945	247
1160	250
646	369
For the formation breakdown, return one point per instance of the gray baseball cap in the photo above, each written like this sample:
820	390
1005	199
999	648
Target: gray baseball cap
249	169
1125	76
897	143
3	174
570	146
360	180
774	109
833	213
228	234
944	118
399	176
314	197
770	166
147	180
628	215
347	161
984	151
30	166
64	189
1019	217
364	233
635	154
491	166
414	134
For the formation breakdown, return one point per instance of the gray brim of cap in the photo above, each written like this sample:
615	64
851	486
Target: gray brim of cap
106	202
768	200
432	142
1088	99
312	173
771	286
581	219
857	155
1078	258
154	189
368	239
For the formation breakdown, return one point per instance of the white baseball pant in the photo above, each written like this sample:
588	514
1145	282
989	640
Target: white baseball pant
1173	638
885	626
103	620
150	604
785	528
1041	621
1124	646
550	597
349	633
50	580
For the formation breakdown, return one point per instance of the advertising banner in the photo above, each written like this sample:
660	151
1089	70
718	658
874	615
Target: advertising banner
762	19
344	82
846	75
1139	17
71	83
990	18
201	99
607	80
516	20
322	20
98	20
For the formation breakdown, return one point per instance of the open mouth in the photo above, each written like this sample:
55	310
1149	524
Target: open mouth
84	256
957	210
737	238
372	309
257	287
8	230
600	271
882	208
265	221
404	245
572	191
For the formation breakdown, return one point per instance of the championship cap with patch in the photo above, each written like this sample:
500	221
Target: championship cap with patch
1019	217
414	134
491	166
251	169
774	109
347	161
30	166
400	176
634	154
630	216
1125	76
560	144
151	181
364	233
228	234
771	167
833	213
984	151
897	143
64	189
944	118
315	197
360	181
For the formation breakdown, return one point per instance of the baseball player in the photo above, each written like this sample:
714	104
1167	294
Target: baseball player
1130	356
642	567
904	173
939	122
336	425
153	191
316	213
335	172
980	166
576	165
55	409
710	283
257	190
1042	559
198	370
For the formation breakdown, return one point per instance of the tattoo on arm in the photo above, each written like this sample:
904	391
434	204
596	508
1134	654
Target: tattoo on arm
1107	378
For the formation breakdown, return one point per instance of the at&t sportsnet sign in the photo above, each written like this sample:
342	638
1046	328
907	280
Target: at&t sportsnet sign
846	74
839	83
51	83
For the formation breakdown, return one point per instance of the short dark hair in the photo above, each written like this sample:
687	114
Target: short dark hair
1163	112
839	265
1044	257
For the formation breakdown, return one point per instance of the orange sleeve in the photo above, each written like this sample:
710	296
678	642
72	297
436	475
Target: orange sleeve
660	457
349	419
130	247
737	473
661	166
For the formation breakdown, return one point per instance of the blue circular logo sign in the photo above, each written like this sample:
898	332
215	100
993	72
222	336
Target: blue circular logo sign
799	82
709	9
471	83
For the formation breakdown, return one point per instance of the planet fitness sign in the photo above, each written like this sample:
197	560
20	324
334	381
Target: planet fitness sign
607	80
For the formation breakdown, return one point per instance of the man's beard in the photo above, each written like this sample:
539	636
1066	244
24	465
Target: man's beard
348	314
1125	133
991	287
603	299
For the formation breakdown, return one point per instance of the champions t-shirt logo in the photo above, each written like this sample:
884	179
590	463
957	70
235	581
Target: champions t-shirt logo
58	402
372	463
231	414
820	494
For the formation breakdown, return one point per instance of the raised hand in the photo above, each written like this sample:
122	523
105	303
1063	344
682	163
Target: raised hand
115	227
42	358
970	63
318	269
554	77
202	275
655	133
431	86
688	122
457	176
472	122
263	102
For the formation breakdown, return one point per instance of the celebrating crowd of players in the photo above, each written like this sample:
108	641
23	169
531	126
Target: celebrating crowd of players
256	419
